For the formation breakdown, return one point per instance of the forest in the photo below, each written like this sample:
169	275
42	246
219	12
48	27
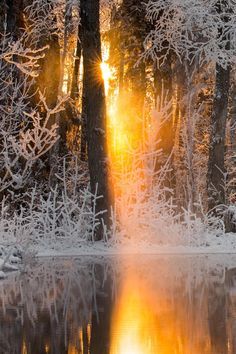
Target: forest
117	176
117	123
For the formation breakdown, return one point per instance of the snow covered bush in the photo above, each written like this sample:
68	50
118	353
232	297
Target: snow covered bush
25	133
60	219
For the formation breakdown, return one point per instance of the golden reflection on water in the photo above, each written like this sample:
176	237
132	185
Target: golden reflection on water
24	348
159	305
134	324
77	346
145	321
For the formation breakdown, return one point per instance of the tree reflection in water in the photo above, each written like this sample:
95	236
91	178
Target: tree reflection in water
149	305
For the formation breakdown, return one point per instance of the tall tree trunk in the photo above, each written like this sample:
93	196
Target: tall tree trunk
3	11
216	164
83	128
60	148
233	116
48	82
121	72
75	79
83	131
231	148
49	78
163	90
94	97
15	20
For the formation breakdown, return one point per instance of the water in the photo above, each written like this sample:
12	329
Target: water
139	305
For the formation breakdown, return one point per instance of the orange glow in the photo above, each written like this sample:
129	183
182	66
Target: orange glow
72	349
146	320
134	326
125	137
89	333
107	75
118	143
24	348
76	345
65	83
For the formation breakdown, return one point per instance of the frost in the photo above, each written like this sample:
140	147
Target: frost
190	28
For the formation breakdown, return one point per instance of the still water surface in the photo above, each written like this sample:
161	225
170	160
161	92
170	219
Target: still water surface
139	305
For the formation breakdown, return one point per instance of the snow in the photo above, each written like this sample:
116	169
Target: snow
6	265
2	275
176	23
150	226
224	244
63	224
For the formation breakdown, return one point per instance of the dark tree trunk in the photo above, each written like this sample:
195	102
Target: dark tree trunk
83	128
15	20
62	120
233	117
3	11
217	318
94	97
216	164
49	78
75	78
85	340
15	25
48	83
163	89
102	318
83	134
121	72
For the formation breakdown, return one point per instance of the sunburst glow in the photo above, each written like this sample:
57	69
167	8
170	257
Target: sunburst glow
124	138
106	75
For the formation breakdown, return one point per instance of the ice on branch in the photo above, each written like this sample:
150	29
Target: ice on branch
35	142
30	144
191	29
25	59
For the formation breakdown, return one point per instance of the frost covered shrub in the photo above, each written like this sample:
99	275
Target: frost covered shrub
146	207
65	218
61	218
25	133
45	217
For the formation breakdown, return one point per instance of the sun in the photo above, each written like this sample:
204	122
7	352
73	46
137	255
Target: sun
106	75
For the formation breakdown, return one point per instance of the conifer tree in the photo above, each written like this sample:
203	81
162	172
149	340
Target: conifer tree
95	108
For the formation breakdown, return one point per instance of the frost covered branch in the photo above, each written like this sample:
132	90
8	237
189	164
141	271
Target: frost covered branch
25	59
30	145
191	29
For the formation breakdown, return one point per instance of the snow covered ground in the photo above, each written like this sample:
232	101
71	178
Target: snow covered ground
224	244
